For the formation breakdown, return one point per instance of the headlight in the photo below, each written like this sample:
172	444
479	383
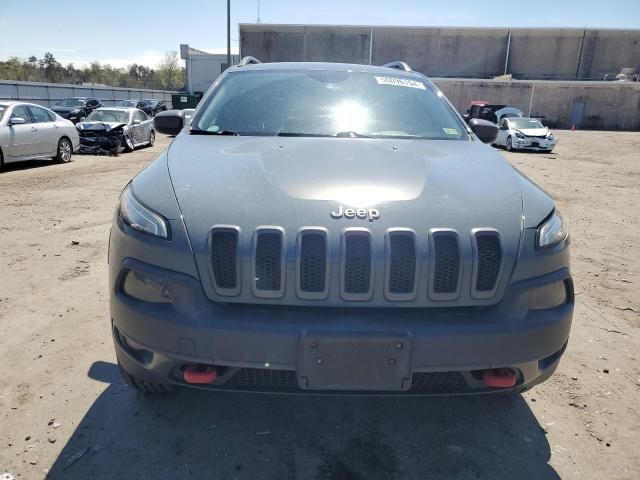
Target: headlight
139	217
519	135
550	136
552	232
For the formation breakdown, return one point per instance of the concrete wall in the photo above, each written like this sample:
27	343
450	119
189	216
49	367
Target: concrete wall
534	53
46	94
607	106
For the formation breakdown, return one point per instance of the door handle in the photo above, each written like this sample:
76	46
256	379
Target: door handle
55	125
34	129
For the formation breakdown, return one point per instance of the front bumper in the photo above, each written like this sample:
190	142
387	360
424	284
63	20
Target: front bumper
258	348
541	144
101	143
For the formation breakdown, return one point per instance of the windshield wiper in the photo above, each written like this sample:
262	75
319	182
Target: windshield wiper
195	131
301	134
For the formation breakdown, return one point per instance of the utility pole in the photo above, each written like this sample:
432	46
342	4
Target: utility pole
258	12
228	33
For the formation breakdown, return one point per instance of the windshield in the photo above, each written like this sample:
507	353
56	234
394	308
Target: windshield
71	102
328	103
523	123
110	116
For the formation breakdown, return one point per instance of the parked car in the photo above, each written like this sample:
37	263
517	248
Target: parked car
112	130
325	227
524	134
76	109
155	106
493	113
141	104
29	132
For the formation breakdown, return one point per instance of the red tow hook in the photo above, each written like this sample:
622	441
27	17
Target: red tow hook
499	378
200	374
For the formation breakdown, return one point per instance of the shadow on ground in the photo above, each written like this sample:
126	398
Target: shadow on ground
198	434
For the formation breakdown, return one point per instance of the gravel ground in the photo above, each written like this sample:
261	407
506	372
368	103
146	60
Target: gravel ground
65	413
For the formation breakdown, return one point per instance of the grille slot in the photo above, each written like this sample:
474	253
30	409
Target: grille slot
401	265
488	263
263	378
357	273
312	265
268	263
445	278
224	260
438	382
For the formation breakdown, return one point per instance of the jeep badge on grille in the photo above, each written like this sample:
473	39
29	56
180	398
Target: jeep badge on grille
370	213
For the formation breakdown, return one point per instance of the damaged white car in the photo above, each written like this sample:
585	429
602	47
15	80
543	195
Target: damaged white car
112	130
524	134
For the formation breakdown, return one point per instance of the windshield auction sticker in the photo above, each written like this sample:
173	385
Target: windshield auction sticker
400	82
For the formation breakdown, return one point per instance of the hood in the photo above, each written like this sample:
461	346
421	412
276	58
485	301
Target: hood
534	132
104	126
297	182
266	180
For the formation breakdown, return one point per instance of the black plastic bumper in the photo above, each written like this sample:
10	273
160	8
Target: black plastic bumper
449	347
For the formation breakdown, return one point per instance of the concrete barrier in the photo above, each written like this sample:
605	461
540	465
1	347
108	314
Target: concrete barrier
46	94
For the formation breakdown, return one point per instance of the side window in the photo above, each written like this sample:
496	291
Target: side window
40	115
22	112
503	124
143	116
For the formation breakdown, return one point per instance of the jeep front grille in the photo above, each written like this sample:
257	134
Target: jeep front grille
357	272
487	264
404	266
225	259
312	282
268	262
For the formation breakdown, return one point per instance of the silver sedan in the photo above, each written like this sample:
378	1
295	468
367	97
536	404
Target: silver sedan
29	132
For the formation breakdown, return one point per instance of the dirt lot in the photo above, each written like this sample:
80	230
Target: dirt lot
65	411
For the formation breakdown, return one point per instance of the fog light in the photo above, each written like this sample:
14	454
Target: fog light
146	287
548	296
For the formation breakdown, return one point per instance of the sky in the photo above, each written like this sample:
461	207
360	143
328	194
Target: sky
121	32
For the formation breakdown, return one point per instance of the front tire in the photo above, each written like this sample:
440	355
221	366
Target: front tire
509	144
152	138
128	144
65	151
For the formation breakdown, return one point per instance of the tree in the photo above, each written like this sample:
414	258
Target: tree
169	75
170	72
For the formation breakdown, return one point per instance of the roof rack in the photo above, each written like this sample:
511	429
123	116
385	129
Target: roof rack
248	61
398	66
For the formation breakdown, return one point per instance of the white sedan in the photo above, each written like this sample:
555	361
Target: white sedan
30	132
524	134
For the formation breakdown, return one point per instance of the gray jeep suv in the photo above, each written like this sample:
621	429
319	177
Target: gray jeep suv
333	228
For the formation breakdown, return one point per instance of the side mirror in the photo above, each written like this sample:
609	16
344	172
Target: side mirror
169	122
17	121
137	121
485	130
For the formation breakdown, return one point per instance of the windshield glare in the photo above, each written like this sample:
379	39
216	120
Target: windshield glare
109	116
328	103
71	102
521	123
